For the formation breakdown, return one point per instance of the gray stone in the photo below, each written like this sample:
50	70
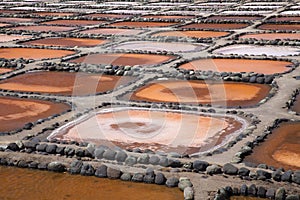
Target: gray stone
150	171
75	167
99	152
69	151
87	170
160	179
263	173
292	197
13	146
188	193
41	147
60	150
126	177
213	169
154	160
30	145
270	193
175	163
287	176
56	167
101	171
296	177
184	182
200	165
109	154
137	177
80	152
143	159
230	169
130	161
276	176
280	194
252	190
244	190
172	182
149	178
243	171
261	192
121	156
262	166
51	148
113	173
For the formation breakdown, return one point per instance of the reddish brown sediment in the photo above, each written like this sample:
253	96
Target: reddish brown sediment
32	53
280	149
246	198
16	112
285	18
157	130
17	20
227	26
9	38
142	24
65	22
4	70
99	15
57	14
66	42
296	106
168	16
196	34
4	24
273	36
230	94
235	17
112	31
238	65
123	59
20	183
43	28
64	83
280	27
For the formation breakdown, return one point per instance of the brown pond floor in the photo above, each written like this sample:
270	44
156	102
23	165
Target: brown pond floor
281	27
168	16
112	31
142	24
43	28
230	94
32	53
227	26
238	65
246	198
4	70
17	183
196	34
280	149
16	112
64	83
234	17
9	38
17	20
99	15
73	22
123	59
56	14
66	42
151	129
273	36
285	18
4	24
296	106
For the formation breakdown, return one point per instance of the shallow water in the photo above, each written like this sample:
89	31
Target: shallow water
28	184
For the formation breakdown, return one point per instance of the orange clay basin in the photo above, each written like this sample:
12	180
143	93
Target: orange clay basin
9	38
32	53
16	112
227	26
280	27
4	24
5	70
112	31
280	149
123	59
64	83
285	18
235	17
142	24
238	65
18	20
66	42
273	36
168	16
65	22
41	28
17	183
195	34
231	94
296	106
105	15
144	128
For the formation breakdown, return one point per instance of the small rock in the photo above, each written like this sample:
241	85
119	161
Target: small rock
160	179
243	171
154	160
270	193
230	169
188	193
252	190
137	177
172	182
296	177
292	197
113	173
87	170
75	167
121	156
130	161
164	161
101	171
41	147
280	194
51	148
184	182
56	167
99	153
277	175
244	190
200	165
213	169
143	159
13	146
287	176
109	154
261	192
263	173
126	177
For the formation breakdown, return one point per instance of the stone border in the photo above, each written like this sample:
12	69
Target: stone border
289	104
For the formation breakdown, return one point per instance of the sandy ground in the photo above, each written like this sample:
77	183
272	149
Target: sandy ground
196	34
273	36
296	106
238	65
31	53
66	42
123	59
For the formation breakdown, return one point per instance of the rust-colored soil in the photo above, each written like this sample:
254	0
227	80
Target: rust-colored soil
43	28
32	53
73	22
227	26
285	18
273	36
98	15
4	70
17	20
168	16
20	183
123	59
281	27
142	24
66	42
56	14
281	148
16	112
238	65
112	31
230	94
64	83
156	130
8	38
234	17
196	34
4	24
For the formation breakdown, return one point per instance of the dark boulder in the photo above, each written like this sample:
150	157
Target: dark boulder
101	171
243	171
87	170
261	192
13	146
56	167
160	179
41	147
51	148
109	154
230	169
287	176
172	182
200	165
75	167
121	156
113	173
137	177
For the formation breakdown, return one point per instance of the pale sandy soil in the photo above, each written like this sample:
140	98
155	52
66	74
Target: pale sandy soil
8	38
197	34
